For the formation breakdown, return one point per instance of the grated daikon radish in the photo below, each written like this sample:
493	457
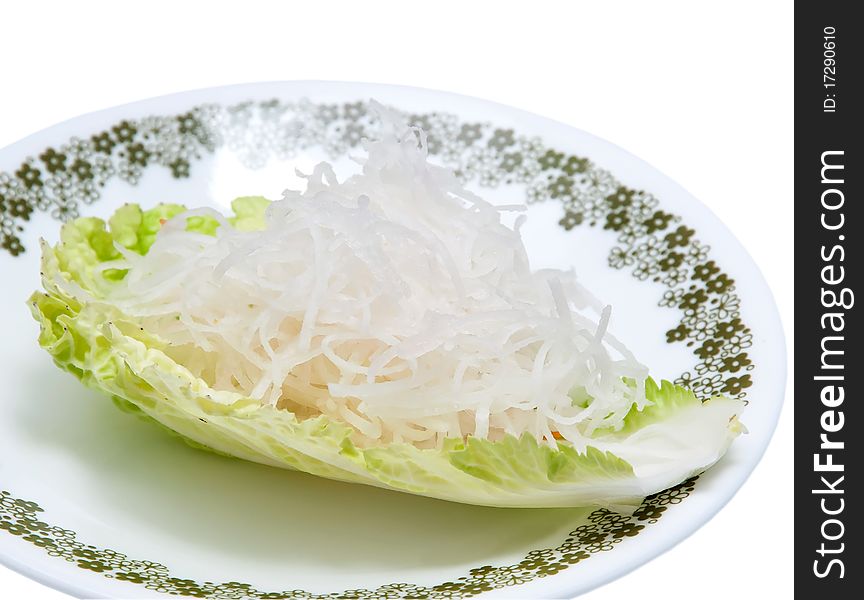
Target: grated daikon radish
395	301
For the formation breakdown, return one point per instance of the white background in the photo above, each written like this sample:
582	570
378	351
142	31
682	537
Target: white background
702	91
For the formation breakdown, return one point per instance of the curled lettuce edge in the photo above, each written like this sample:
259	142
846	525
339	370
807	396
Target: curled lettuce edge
675	437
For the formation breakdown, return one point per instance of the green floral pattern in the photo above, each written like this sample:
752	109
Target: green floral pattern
601	532
649	242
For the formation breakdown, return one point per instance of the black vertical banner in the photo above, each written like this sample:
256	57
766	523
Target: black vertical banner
829	226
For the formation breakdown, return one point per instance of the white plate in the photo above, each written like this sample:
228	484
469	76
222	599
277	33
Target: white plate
97	503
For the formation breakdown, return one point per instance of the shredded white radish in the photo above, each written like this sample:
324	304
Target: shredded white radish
395	301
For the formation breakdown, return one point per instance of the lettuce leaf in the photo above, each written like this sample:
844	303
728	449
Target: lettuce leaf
674	438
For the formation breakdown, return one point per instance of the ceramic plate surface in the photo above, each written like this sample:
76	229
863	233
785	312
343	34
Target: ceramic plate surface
100	504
